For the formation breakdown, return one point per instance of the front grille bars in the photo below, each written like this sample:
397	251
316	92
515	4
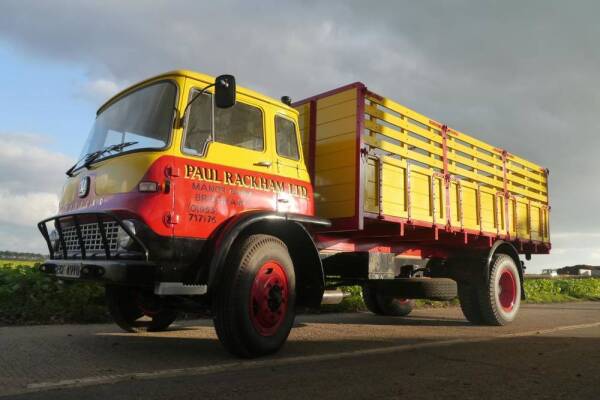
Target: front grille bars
99	217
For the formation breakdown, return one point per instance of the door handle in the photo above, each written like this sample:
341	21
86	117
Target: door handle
263	164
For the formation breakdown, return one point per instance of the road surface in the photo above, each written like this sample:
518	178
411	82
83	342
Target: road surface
551	352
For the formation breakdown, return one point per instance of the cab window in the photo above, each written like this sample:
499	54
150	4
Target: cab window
285	137
198	125
240	125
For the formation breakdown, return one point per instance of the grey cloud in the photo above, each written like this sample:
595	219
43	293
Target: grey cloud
30	178
520	75
27	167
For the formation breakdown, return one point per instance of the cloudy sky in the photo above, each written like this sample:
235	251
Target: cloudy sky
522	75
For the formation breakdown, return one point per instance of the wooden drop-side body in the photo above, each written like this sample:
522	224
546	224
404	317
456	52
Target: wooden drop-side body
393	180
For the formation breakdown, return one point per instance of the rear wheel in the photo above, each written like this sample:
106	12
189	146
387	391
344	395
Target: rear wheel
134	309
497	301
386	305
469	302
253	306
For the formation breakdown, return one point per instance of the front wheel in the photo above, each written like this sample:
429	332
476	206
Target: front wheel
253	305
497	301
128	305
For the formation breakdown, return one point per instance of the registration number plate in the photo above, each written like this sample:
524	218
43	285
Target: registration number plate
68	271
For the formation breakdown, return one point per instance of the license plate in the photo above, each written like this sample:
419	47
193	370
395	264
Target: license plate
68	271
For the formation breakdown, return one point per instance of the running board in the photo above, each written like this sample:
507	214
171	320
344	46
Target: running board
178	288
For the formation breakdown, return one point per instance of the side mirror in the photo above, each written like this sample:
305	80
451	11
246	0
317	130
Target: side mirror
225	91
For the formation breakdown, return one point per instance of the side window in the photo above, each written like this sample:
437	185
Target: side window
199	125
285	137
240	125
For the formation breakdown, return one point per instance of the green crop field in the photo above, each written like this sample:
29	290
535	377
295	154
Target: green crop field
14	263
29	297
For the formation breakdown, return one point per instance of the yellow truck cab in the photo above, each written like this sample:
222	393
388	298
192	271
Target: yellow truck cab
195	194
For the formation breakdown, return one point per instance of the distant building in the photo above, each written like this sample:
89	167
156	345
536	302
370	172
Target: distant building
550	272
586	270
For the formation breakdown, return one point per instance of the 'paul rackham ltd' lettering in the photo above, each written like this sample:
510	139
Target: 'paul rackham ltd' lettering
244	180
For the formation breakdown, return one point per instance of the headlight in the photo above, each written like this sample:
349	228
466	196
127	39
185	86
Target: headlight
54	239
123	238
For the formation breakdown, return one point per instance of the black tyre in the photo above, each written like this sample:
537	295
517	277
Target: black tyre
469	302
370	299
386	305
253	305
128	305
497	301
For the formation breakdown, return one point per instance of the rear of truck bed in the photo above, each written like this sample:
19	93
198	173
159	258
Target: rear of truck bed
376	164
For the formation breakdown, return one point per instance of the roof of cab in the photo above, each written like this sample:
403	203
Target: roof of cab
200	77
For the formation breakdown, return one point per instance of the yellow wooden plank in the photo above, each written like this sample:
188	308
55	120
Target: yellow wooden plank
336	192
469	202
420	192
402	123
522	219
392	148
335	209
527	163
454	145
346	126
528	194
476	177
402	137
334	144
337	98
528	183
371	194
535	219
471	140
394	191
336	112
476	165
454	204
400	109
538	176
488	211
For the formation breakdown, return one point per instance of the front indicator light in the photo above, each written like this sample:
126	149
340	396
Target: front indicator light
148	186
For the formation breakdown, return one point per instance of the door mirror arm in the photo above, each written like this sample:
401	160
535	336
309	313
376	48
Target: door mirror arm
225	89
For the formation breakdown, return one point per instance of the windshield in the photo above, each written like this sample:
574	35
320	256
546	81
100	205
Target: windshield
142	118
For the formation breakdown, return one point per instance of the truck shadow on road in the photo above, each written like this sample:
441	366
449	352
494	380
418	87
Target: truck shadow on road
368	319
169	350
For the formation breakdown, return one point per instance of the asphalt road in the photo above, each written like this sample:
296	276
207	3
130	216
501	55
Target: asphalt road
551	352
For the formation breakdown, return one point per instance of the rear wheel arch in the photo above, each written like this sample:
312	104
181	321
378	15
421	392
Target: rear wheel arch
502	247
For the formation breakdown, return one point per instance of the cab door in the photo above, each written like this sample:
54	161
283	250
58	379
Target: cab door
290	165
228	166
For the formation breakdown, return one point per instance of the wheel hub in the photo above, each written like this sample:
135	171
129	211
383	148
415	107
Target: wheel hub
269	298
275	299
508	290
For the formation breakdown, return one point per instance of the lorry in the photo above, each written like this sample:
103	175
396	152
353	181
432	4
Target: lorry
195	195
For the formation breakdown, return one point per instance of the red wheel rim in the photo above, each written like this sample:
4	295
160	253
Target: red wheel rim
508	290
269	298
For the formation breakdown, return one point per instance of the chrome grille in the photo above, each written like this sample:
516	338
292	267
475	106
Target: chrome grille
92	239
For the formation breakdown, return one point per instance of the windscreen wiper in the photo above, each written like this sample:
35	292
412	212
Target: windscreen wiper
93	156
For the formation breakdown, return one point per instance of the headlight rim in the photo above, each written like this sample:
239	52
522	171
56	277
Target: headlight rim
124	240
